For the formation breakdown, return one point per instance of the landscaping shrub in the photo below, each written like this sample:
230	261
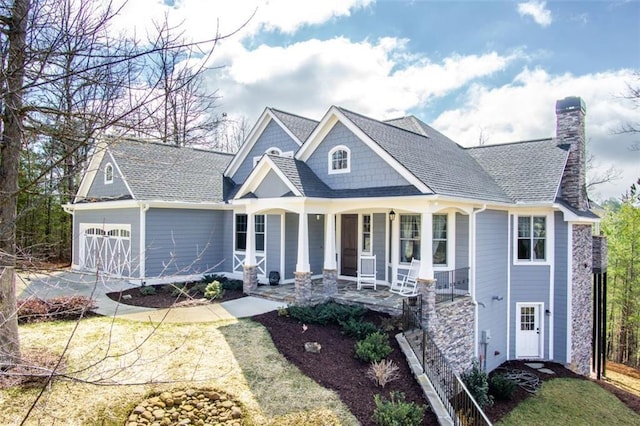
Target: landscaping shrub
383	372
209	278
396	411
213	291
199	288
358	329
59	308
373	348
147	290
501	387
326	313
179	290
476	381
227	284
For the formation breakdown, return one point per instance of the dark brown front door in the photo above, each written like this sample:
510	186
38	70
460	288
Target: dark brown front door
349	245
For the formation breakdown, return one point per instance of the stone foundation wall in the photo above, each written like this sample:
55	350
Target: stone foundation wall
249	279
581	300
329	283
454	332
303	288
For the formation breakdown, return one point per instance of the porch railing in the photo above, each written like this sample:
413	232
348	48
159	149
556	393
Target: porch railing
451	391
451	284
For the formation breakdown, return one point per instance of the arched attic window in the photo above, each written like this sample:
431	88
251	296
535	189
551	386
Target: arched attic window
339	160
108	173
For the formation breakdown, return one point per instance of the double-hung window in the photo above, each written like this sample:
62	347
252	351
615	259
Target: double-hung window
439	239
241	231
366	233
532	238
259	225
409	237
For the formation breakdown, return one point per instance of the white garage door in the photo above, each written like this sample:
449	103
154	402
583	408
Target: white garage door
106	248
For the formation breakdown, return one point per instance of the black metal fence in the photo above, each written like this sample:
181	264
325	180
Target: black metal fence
450	389
451	284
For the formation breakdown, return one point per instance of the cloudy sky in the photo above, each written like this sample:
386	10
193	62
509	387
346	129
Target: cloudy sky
489	70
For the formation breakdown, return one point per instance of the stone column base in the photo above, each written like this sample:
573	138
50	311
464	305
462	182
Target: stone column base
303	287
249	279
329	283
427	288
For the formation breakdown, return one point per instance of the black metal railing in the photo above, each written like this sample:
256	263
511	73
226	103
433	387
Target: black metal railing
451	284
451	391
412	312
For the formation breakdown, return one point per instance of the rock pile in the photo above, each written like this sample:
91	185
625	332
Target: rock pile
188	407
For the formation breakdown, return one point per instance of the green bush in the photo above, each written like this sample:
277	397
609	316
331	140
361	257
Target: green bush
179	290
476	381
213	291
227	284
147	290
198	288
326	313
209	278
358	329
501	387
396	411
232	285
373	348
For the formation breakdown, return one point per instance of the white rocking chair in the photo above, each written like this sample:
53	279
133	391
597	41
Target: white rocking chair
407	284
367	272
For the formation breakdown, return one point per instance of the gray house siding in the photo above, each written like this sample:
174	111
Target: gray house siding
226	242
368	170
462	240
560	290
316	244
291	244
116	189
379	243
272	136
491	280
110	216
271	187
183	242
273	249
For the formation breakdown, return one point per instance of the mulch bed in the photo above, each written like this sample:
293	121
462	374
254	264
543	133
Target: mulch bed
336	367
163	297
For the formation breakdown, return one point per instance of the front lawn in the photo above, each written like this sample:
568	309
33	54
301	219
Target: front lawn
571	402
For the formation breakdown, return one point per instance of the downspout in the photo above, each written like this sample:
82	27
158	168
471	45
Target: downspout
143	241
473	275
71	210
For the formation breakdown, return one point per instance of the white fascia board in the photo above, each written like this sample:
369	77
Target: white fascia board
258	174
90	173
249	142
329	120
127	204
570	216
122	176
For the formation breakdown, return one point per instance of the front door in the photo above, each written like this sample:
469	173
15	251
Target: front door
349	245
528	330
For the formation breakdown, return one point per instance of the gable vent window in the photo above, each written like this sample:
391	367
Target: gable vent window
339	160
108	173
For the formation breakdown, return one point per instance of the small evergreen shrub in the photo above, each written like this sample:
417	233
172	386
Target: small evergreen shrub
232	285
501	387
283	311
396	411
58	308
198	288
209	278
147	290
476	381
326	313
179	290
358	329
373	348
214	291
383	372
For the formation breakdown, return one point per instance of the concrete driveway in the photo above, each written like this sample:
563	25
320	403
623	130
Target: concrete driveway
71	283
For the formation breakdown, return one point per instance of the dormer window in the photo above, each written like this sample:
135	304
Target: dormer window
108	173
340	160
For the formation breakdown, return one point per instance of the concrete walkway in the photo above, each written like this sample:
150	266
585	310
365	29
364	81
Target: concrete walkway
69	283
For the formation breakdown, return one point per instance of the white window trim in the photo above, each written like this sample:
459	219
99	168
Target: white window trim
235	233
548	241
113	170
450	247
255	223
361	227
330	168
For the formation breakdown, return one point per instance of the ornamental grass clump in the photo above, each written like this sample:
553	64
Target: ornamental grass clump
383	372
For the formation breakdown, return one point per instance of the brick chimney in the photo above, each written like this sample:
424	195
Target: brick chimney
570	130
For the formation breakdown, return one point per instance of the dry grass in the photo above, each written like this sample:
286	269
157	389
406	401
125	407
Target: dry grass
116	364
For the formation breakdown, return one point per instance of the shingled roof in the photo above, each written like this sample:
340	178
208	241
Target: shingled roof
437	161
301	127
156	171
528	171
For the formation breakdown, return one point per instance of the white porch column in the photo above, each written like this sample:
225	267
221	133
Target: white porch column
250	250
330	241
426	246
303	243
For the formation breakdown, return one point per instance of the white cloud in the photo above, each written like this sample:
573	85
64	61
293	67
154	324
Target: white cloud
525	109
537	10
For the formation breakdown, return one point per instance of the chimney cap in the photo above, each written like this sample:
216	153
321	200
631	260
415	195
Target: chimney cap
570	103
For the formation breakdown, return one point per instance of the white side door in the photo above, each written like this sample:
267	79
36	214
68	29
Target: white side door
528	330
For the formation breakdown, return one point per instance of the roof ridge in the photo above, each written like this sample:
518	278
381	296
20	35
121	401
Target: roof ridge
168	145
382	122
493	145
293	115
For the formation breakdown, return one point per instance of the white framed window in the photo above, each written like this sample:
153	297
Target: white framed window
241	226
366	233
108	174
531	238
409	237
339	160
440	246
260	231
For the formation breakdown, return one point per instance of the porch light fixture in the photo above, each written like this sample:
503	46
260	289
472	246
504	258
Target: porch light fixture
392	215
